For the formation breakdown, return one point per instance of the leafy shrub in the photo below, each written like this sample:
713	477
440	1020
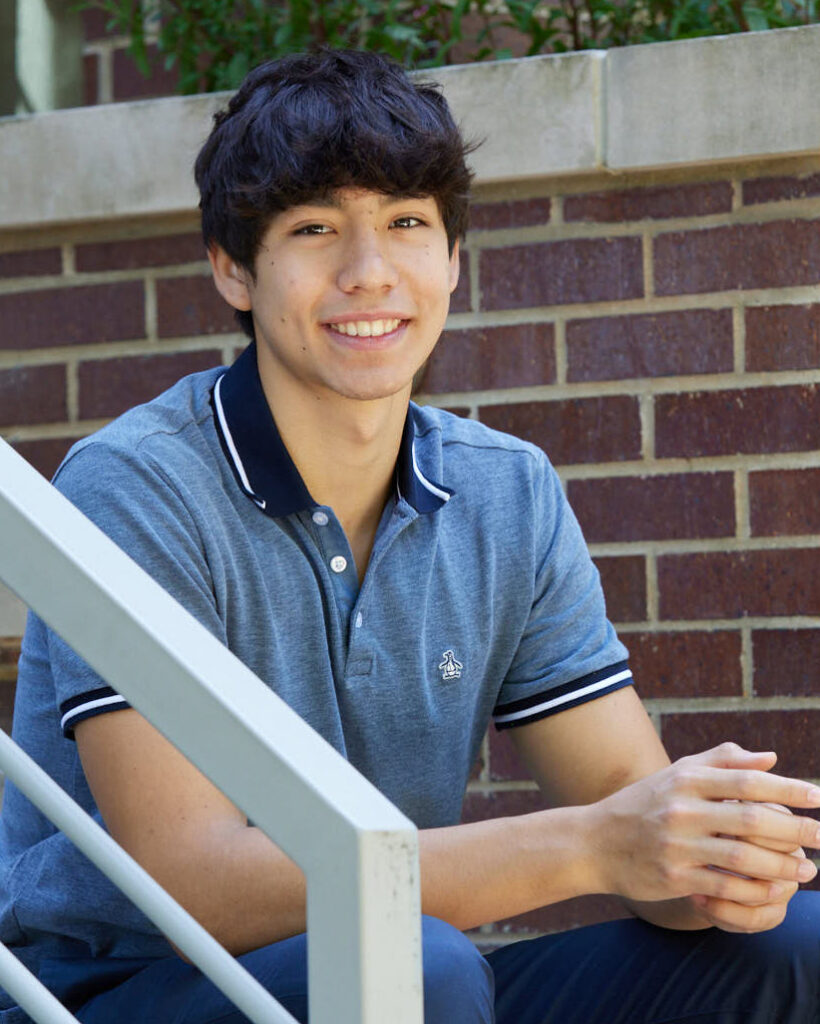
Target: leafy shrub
213	43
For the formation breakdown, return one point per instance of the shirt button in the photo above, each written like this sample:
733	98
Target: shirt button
320	518
358	620
338	563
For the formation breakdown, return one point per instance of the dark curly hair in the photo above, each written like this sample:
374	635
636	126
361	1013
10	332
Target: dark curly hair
305	125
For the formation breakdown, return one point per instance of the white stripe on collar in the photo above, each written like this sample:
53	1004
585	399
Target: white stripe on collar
425	482
226	433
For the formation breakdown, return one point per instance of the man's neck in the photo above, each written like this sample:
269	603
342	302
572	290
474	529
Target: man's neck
345	451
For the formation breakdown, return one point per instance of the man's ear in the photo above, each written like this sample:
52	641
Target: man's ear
230	279
455	264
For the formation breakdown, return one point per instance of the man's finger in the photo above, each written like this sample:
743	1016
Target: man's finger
735	917
752	861
762	825
779	845
750	786
732	755
724	886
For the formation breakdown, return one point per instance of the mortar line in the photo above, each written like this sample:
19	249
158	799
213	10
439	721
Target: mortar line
652	597
150	288
646	416
648	266
669	626
105	73
556	210
473	279
742	524
72	391
561	353
746	661
739	338
485	774
67	255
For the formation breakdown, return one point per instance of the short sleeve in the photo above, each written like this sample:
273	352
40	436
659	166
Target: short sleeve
131	500
569	652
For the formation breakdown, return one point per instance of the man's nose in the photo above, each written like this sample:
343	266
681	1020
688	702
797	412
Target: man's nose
367	265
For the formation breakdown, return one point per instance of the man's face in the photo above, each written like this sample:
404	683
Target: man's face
351	295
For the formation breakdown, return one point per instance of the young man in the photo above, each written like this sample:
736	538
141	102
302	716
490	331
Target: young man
399	576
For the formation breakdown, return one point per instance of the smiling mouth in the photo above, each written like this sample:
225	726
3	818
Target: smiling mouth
366	328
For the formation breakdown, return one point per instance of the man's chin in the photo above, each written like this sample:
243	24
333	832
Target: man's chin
375	390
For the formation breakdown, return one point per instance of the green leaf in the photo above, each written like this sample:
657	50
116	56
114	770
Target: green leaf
401	33
214	42
757	19
238	67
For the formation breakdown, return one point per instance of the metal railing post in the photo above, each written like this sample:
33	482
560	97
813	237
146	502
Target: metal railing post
359	853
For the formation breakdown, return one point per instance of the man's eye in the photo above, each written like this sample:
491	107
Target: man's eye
313	229
407	222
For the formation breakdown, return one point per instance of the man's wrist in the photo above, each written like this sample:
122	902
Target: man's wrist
581	851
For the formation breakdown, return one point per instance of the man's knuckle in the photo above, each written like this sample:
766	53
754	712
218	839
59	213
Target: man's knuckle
737	858
673	813
751	819
746	785
721	886
681	778
671	875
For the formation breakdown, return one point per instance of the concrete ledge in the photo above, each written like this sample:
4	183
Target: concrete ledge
720	98
645	107
90	163
539	115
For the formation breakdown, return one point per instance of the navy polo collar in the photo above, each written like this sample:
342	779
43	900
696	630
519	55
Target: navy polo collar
261	463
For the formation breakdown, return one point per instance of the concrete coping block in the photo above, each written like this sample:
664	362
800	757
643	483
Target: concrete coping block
643	107
104	162
536	116
719	98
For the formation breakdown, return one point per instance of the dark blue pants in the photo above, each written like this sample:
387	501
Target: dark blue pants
622	972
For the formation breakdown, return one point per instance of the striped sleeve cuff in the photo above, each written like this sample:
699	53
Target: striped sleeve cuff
560	698
86	705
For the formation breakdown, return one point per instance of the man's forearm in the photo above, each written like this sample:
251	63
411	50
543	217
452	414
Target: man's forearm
489	870
248	894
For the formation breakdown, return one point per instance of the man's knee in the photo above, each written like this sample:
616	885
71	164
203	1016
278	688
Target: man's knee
458	981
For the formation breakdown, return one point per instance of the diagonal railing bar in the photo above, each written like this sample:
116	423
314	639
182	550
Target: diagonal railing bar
358	852
245	991
31	994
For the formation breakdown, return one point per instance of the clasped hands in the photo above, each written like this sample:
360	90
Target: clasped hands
715	828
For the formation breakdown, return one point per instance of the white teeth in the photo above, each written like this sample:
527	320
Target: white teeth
366	328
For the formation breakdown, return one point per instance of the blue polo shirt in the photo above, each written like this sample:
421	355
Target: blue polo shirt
480	601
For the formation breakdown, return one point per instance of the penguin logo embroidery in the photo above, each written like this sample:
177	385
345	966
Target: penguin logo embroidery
450	668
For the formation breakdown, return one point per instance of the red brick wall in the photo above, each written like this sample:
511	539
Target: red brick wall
658	336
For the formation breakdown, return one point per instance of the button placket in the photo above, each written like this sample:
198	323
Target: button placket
401	517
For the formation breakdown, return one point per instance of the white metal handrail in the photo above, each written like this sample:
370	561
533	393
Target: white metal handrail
358	852
178	925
